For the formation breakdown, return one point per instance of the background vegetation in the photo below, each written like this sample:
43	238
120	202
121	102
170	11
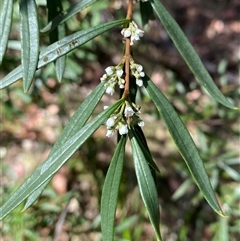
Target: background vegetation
69	208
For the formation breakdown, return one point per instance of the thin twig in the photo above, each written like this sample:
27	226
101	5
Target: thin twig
128	53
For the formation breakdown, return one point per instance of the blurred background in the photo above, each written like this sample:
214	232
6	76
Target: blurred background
68	209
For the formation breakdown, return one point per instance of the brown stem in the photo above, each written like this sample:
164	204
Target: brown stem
130	9
128	53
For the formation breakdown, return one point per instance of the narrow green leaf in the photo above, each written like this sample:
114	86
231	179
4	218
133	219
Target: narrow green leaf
11	78
143	144
188	53
183	142
29	40
73	41
34	196
54	9
5	23
110	191
61	48
60	63
146	184
65	15
55	161
76	122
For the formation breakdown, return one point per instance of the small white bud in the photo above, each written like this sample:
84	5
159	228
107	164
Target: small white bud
141	123
123	130
139	82
109	70
110	122
110	133
139	68
110	90
126	32
103	78
128	111
119	72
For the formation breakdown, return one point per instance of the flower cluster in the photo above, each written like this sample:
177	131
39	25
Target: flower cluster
128	115
112	77
133	32
137	72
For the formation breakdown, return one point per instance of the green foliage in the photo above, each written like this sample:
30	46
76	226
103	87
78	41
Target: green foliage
184	143
110	191
122	116
29	41
6	20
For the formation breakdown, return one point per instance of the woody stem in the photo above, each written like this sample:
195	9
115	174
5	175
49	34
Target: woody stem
128	53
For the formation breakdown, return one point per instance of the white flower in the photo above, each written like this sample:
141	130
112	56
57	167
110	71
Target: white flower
103	78
119	72
105	107
126	32
132	31
123	130
109	70
110	133
128	111
139	82
110	90
141	123
110	122
139	68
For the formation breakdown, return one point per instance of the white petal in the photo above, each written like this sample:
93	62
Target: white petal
136	37
119	72
123	130
103	78
139	32
105	107
110	133
109	90
139	82
142	74
109	70
126	33
128	111
141	123
110	122
139	68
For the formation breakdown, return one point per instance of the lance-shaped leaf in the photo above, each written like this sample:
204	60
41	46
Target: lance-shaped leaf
110	191
188	53
29	41
61	48
146	184
65	15
60	63
139	135
184	143
76	122
54	9
55	161
5	23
